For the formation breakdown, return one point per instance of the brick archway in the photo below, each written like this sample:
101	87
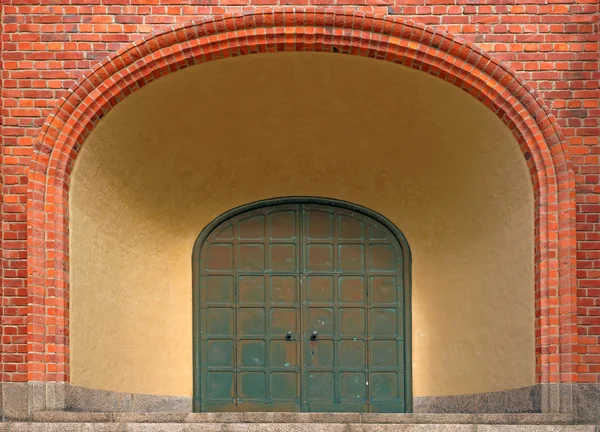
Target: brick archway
382	38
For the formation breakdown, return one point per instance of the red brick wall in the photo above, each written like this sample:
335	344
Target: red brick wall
46	47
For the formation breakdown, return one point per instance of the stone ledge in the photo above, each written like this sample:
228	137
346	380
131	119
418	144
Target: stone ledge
284	427
20	402
518	400
302	418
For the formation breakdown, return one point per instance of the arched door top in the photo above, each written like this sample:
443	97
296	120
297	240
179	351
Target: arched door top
385	222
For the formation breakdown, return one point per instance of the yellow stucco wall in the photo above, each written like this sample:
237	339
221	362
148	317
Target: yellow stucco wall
173	156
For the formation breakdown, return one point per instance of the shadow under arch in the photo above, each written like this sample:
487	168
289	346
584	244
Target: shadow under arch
246	208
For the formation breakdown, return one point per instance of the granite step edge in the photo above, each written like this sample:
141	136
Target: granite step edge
257	417
284	427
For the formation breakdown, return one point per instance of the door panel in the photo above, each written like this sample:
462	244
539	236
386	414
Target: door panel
249	302
386	326
333	278
269	279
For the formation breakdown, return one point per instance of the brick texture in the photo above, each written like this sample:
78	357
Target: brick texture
535	63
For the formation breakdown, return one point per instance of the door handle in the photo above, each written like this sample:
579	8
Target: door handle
313	335
288	336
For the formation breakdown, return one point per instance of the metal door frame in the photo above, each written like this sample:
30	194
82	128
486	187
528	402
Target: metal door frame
408	390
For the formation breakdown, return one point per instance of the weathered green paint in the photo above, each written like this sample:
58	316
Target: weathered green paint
301	266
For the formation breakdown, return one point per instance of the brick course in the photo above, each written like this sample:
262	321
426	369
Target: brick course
549	80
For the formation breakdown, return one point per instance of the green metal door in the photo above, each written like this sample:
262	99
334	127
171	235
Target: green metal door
301	308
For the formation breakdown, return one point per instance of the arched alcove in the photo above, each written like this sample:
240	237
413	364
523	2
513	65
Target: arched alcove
386	38
173	156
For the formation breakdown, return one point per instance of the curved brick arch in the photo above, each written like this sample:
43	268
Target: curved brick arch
378	37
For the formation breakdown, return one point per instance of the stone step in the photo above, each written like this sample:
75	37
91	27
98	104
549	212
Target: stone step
284	427
60	421
313	418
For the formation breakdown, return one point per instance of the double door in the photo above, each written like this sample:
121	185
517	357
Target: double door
301	309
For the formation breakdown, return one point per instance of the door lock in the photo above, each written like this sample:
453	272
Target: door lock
313	335
288	336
